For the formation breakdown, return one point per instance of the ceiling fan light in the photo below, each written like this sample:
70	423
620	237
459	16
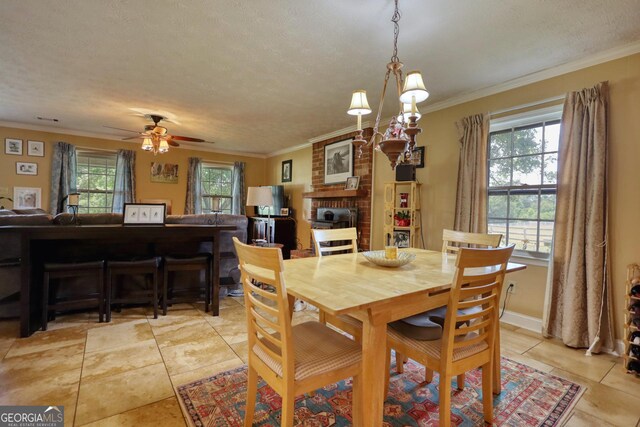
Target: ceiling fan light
164	146
147	145
406	112
359	104
413	86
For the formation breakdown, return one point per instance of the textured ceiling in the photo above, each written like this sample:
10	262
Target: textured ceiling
260	76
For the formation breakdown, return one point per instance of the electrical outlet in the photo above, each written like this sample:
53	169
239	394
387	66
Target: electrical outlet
513	284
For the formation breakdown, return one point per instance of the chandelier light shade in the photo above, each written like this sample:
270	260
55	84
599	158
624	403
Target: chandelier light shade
164	146
147	144
413	87
399	139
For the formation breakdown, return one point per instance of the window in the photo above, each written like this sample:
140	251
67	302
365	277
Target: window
523	166
217	185
95	181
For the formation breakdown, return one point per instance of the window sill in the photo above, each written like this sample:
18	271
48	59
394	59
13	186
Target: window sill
521	259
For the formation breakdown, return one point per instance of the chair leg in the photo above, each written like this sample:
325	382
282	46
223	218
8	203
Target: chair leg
460	381
108	292
487	391
252	390
155	293
356	401
288	407
445	400
400	361
387	371
428	375
45	301
165	285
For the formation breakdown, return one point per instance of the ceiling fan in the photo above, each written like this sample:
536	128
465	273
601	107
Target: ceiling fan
155	137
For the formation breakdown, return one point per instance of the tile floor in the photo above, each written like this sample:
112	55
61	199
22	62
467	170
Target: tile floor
125	373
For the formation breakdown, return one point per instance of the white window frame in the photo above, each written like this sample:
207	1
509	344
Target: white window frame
541	115
212	196
109	194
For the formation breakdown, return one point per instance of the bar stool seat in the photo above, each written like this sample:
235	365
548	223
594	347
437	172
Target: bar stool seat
148	267
72	269
186	263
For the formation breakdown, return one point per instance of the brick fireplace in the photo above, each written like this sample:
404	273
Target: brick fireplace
332	196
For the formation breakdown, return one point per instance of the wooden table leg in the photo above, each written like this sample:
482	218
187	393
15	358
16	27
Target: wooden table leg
215	282
374	346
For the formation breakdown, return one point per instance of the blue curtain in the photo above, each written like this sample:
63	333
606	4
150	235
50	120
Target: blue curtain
63	175
124	190
193	203
238	200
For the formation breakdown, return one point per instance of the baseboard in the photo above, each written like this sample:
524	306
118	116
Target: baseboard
522	321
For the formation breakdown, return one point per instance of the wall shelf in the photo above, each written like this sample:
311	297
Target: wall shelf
333	194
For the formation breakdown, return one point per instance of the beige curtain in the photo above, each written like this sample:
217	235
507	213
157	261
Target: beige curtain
578	292
471	198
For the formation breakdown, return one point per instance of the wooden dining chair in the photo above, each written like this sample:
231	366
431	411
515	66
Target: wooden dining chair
335	235
292	359
468	340
452	239
344	321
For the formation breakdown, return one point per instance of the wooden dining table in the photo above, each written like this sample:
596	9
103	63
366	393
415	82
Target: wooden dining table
349	284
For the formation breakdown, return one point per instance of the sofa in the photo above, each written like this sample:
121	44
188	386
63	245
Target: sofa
10	246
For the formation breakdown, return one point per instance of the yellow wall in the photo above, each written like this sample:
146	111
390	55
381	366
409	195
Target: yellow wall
145	189
440	173
300	183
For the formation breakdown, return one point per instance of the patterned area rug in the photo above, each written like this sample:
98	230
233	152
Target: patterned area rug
529	398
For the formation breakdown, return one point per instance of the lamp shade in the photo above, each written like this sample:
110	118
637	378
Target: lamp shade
413	86
147	145
164	146
406	113
359	104
73	199
259	196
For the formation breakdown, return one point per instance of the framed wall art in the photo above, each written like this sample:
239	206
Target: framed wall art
27	198
23	168
13	146
144	213
165	173
287	170
35	148
338	161
417	157
352	183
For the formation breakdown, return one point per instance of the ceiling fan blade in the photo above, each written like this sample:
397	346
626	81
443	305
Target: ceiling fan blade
172	143
186	138
111	127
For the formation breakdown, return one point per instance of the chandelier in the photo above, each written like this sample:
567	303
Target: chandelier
399	139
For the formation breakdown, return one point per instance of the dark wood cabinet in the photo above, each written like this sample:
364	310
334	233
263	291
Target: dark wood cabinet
282	230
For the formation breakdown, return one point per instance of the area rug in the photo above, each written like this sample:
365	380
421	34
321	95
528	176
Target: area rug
529	398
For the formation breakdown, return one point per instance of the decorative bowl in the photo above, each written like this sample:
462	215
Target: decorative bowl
378	258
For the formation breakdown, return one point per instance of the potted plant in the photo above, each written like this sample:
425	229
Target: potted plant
402	219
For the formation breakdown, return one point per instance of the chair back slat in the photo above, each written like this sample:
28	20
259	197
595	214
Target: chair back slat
451	240
480	292
266	310
335	235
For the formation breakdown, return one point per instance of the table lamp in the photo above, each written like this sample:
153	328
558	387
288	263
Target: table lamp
262	197
73	202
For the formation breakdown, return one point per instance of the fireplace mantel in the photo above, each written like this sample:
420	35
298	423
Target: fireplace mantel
332	194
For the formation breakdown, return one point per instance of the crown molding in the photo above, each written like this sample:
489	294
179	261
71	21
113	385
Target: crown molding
74	132
589	61
289	149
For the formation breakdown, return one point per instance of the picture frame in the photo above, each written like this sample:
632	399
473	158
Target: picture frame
13	146
352	183
164	173
35	148
27	198
338	161
144	213
287	170
401	239
417	157
24	168
284	211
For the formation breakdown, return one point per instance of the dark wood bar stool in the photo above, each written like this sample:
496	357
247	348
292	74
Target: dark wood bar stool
53	271
171	294
148	267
